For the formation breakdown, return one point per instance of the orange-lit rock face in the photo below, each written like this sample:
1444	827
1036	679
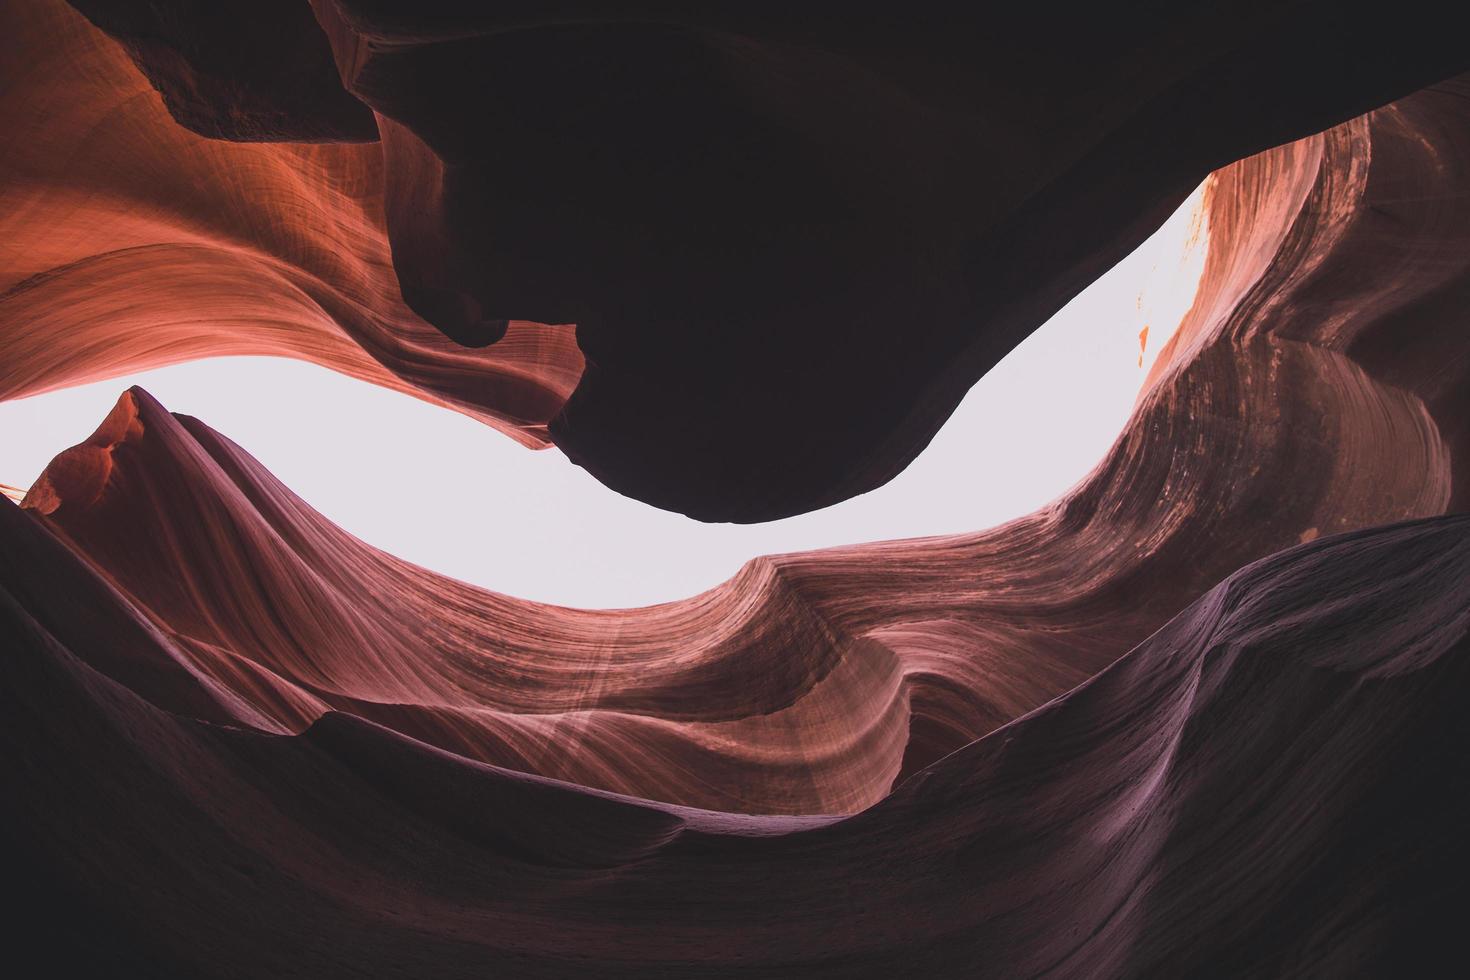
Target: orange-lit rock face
78	477
810	683
789	245
132	243
1156	811
1201	714
792	239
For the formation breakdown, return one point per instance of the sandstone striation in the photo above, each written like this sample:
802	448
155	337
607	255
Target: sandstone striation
1200	716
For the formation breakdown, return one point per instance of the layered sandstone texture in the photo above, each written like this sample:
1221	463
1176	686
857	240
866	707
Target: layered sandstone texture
1199	716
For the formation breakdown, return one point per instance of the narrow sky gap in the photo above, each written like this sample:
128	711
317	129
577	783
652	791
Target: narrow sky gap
455	496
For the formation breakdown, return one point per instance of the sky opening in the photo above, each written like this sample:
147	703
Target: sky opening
448	493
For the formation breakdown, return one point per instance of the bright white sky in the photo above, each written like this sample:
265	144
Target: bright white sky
448	493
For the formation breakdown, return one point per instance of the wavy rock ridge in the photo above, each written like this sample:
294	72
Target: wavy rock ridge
1187	811
790	241
1201	716
811	683
134	243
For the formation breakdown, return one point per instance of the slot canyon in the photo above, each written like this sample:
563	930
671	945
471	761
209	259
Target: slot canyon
1199	715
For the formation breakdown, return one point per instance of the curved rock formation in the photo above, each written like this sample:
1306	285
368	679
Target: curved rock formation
810	683
790	241
251	70
132	243
238	742
1231	798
